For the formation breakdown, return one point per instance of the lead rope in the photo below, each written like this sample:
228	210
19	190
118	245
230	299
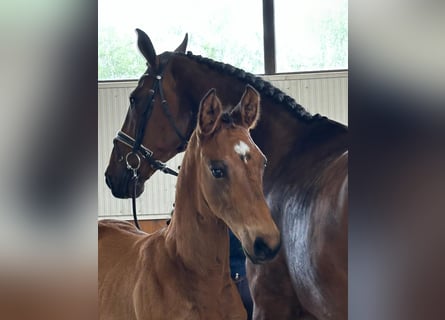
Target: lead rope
137	143
135	178
133	201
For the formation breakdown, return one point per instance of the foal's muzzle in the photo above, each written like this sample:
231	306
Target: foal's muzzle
262	252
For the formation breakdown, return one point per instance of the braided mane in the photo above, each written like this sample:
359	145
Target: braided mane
262	86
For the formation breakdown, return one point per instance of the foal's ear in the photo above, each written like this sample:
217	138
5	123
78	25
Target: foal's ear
146	48
210	109
183	45
247	112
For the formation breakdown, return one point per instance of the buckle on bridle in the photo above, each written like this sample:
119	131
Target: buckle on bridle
129	166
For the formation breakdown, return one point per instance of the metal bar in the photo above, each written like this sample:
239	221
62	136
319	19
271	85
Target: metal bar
269	36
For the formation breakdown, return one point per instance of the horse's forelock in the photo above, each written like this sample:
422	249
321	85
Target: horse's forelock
226	118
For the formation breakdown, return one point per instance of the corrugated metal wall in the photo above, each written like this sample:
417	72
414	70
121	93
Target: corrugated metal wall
157	200
324	93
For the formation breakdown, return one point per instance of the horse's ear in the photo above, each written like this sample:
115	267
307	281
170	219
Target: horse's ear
247	112
183	45
146	48
210	109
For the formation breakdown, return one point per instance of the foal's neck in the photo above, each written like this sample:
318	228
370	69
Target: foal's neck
195	234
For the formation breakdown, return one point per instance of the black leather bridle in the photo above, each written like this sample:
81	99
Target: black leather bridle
136	143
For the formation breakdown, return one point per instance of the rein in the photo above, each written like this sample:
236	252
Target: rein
137	146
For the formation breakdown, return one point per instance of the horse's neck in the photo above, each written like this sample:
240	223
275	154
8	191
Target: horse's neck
299	158
283	137
288	140
194	235
277	125
277	133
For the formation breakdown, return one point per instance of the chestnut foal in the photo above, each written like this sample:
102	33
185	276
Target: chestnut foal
182	271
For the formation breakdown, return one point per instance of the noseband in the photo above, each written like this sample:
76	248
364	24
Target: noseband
136	144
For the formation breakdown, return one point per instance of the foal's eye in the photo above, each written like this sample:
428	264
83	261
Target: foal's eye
218	169
218	172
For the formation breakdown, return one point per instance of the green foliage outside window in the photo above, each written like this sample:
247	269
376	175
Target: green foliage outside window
310	36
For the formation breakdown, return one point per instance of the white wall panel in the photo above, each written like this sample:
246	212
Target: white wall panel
324	93
158	198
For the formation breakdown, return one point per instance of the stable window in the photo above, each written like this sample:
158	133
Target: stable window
309	35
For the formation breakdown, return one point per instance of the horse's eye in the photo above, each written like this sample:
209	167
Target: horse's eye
132	101
265	163
218	169
218	172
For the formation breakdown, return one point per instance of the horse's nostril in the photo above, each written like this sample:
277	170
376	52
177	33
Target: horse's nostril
261	249
108	181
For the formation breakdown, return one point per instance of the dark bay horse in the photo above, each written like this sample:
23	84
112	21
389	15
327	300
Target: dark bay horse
305	182
182	271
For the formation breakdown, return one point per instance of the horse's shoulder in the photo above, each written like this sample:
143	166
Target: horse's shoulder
336	174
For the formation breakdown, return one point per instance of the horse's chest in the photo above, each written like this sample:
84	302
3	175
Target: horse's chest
173	301
297	247
302	243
